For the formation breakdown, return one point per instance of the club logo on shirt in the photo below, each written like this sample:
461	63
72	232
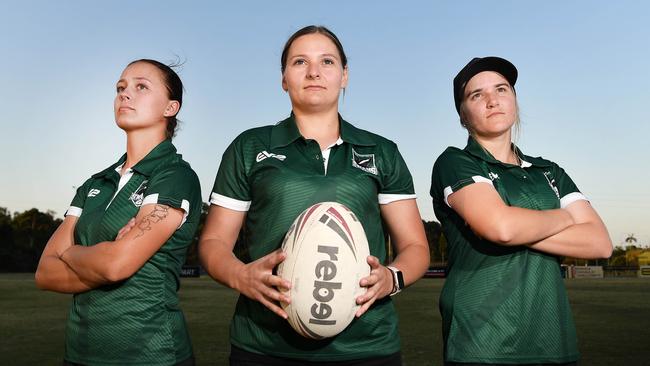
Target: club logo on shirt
93	192
138	195
263	155
551	182
493	176
365	162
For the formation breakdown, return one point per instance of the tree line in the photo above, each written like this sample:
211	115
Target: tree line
23	236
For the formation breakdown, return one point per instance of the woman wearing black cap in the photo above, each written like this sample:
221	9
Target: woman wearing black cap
504	301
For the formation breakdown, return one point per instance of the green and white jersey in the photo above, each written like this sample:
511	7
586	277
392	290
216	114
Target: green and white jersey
502	304
137	321
274	174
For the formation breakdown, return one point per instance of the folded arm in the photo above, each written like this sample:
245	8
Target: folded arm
575	230
587	238
114	261
52	273
480	205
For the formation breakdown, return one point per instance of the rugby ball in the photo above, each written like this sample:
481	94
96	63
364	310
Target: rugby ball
327	253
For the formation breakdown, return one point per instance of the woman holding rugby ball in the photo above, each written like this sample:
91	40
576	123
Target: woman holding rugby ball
124	239
507	218
269	175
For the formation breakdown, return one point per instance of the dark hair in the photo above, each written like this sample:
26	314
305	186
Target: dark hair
174	87
312	29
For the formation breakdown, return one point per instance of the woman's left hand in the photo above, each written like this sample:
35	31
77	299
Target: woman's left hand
379	284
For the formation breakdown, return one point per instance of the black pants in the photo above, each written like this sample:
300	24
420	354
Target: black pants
510	364
188	362
239	357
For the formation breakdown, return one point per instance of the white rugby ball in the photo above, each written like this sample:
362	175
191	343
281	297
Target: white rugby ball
327	254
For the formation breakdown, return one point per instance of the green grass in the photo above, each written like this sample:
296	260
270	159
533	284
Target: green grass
612	316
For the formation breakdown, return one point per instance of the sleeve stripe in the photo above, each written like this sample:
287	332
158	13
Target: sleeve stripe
73	211
572	197
479	179
152	198
185	206
448	191
227	202
476	178
385	199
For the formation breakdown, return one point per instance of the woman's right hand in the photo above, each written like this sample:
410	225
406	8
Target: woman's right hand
254	280
257	281
125	229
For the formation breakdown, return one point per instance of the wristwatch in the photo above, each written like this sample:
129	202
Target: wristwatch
398	280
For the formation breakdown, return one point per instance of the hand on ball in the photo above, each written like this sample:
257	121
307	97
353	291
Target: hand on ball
257	281
379	284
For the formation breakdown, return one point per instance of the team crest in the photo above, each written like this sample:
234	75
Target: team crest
551	182
365	162
138	195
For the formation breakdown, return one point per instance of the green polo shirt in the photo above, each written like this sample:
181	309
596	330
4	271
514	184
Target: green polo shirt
502	304
136	321
274	174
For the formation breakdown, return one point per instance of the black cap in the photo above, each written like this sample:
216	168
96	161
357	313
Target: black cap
478	64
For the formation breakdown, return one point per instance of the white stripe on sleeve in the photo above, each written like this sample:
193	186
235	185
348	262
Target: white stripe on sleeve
152	198
185	206
231	203
385	199
572	197
73	211
476	178
479	179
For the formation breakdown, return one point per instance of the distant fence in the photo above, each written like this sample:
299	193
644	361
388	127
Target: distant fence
572	271
621	271
585	272
599	271
191	271
436	272
567	271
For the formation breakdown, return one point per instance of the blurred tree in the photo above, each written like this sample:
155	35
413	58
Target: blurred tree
442	248
632	255
6	239
437	242
30	231
618	257
193	250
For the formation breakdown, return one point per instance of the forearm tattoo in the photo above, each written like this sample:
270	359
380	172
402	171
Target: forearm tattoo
158	214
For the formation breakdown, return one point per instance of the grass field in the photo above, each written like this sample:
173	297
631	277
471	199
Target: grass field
612	317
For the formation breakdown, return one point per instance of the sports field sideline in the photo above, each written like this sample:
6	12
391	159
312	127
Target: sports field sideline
612	316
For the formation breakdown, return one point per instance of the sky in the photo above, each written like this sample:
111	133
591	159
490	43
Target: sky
583	87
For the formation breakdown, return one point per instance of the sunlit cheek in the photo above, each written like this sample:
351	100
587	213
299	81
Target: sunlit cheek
512	110
291	83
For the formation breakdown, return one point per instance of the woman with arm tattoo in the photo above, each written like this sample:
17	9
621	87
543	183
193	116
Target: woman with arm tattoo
125	237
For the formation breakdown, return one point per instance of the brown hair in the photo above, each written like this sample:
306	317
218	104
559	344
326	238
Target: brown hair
174	87
312	29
